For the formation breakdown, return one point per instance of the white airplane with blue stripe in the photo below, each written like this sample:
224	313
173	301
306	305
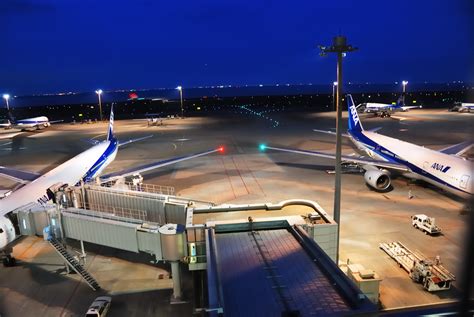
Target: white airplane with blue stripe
466	107
385	109
86	166
28	124
446	168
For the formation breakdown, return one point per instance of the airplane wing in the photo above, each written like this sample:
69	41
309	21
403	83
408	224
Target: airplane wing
331	132
358	160
346	135
374	129
458	149
404	108
18	175
154	165
122	143
56	121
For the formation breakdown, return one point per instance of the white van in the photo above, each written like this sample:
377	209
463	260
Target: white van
425	224
99	307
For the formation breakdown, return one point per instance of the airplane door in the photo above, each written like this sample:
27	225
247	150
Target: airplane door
464	181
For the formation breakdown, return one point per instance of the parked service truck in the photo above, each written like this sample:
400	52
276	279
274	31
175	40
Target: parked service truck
425	224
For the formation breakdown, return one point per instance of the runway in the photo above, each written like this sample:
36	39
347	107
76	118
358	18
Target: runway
244	174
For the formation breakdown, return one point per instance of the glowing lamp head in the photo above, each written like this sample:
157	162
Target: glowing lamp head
99	91
334	83
179	88
6	96
404	83
262	147
221	149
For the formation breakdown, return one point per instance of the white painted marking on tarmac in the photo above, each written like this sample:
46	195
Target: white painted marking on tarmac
9	135
98	136
356	243
175	147
6	143
11	149
399	118
181	140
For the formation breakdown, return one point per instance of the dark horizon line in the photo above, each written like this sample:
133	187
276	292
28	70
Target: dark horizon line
221	86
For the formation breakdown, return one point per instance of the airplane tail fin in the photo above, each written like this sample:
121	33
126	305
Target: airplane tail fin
400	102
11	119
110	133
353	120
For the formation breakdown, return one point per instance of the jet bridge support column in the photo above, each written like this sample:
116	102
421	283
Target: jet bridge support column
175	273
173	246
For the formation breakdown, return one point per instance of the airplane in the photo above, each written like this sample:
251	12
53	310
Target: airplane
384	110
462	107
446	168
85	166
28	124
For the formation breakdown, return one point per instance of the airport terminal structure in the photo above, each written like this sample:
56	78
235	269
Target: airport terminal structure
236	158
234	231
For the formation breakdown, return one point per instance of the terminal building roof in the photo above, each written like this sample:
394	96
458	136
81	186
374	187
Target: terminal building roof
274	269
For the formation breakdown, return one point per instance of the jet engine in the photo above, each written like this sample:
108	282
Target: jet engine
7	232
378	179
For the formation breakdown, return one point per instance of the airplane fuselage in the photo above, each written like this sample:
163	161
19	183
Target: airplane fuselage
32	123
85	165
466	107
451	173
371	107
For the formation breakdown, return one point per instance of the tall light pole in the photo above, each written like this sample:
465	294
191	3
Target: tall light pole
6	97
334	85
339	46
404	83
181	98
99	94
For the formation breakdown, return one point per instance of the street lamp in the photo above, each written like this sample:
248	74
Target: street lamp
339	46
6	97
181	98
404	83
99	94
334	85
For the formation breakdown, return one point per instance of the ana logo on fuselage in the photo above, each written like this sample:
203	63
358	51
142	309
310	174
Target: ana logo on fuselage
440	167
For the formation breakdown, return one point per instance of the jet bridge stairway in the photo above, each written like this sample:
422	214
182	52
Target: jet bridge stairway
74	264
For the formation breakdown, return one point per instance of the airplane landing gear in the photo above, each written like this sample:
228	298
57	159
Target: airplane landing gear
7	259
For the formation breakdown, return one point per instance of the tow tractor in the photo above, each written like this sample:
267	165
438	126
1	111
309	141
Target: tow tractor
431	274
425	224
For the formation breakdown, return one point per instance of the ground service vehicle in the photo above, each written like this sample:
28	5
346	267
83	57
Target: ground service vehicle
99	307
425	224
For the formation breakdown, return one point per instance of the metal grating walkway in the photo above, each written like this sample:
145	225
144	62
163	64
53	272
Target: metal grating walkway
251	289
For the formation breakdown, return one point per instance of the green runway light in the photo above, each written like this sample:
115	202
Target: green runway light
262	147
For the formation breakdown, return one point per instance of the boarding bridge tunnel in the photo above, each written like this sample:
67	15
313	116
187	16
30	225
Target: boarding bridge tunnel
130	218
120	218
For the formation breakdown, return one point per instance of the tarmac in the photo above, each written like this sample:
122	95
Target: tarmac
242	174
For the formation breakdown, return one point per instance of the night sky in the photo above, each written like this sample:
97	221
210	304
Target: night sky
80	45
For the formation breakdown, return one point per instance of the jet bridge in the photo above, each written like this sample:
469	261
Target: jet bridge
131	218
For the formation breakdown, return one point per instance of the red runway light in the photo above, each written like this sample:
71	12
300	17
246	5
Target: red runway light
221	149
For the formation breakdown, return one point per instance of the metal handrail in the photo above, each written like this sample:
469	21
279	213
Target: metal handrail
147	188
115	211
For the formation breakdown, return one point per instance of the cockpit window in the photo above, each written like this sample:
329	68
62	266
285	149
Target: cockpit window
1	230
